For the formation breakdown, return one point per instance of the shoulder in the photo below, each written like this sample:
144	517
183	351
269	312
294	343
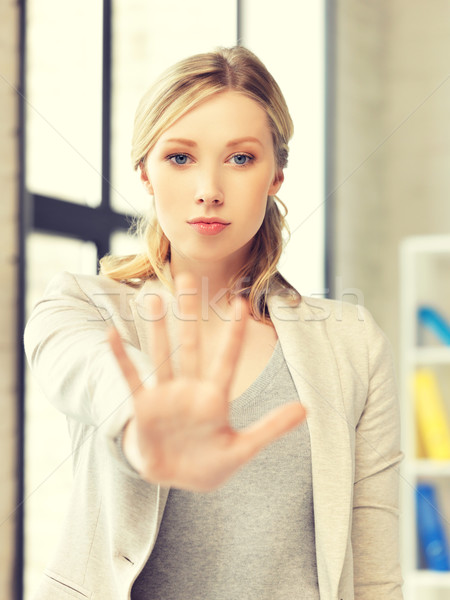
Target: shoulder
354	335
349	329
74	283
339	315
92	289
335	315
87	294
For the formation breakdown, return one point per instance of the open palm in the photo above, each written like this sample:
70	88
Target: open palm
180	435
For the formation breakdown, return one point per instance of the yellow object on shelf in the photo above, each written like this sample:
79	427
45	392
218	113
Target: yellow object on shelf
432	424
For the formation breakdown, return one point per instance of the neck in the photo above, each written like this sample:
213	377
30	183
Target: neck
212	281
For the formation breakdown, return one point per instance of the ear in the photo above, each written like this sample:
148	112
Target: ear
145	180
276	183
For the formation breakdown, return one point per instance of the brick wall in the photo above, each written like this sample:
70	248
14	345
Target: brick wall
358	110
392	141
9	63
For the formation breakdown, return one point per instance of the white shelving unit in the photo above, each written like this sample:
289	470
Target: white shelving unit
424	280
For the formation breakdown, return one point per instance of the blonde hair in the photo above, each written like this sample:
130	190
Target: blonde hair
181	88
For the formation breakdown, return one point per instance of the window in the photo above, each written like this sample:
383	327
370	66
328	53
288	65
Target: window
87	64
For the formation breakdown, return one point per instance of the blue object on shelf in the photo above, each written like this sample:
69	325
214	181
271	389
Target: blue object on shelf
430	529
430	317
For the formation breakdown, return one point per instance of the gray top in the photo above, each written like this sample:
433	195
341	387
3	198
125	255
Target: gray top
254	537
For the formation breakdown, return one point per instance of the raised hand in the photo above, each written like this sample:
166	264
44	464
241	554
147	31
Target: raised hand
180	434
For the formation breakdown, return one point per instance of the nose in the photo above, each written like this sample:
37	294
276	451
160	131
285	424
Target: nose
209	190
205	199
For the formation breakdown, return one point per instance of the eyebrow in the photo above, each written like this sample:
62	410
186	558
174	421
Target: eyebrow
229	144
180	141
244	139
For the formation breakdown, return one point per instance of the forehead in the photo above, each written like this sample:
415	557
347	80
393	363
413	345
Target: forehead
224	115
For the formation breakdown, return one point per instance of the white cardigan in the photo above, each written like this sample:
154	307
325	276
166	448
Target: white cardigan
341	365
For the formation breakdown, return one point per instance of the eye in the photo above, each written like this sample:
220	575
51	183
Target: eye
241	160
179	159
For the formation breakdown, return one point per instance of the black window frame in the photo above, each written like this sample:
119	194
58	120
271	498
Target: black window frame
52	215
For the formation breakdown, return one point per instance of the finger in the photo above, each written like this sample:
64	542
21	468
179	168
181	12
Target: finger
126	366
278	422
225	363
188	328
159	346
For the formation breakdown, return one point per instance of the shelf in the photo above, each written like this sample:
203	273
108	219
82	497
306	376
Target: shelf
434	244
424	281
427	578
431	355
426	467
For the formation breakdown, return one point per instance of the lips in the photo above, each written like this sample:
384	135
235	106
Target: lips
208	220
208	225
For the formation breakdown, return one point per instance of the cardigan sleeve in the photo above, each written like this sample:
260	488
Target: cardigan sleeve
375	530
67	349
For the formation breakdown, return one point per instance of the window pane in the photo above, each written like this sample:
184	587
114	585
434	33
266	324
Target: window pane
48	463
63	108
149	36
122	243
290	41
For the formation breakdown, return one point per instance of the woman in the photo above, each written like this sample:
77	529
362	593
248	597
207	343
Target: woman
215	356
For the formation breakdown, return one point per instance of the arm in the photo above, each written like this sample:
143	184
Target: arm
69	354
180	435
375	536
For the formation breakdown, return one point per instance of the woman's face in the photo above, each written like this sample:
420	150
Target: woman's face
210	174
